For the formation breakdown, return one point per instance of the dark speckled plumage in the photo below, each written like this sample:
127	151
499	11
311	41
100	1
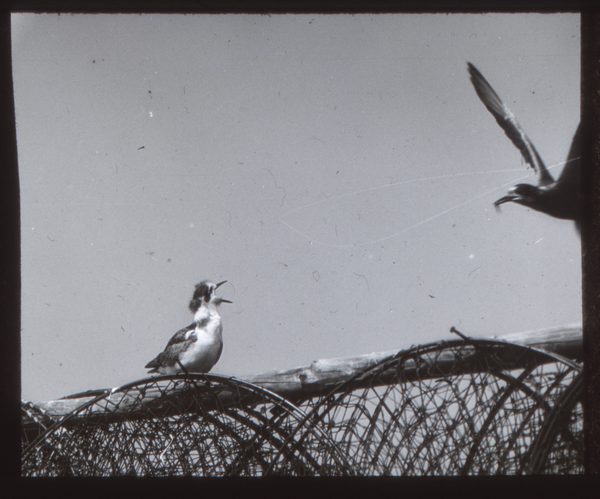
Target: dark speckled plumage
177	344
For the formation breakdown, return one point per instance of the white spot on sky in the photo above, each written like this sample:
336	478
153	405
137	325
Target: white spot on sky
150	114
471	256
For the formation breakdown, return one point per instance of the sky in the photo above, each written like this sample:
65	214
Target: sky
338	171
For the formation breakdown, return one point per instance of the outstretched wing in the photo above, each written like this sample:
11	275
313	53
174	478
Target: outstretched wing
507	121
570	178
570	173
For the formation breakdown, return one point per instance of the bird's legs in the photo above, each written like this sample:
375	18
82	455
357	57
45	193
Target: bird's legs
187	374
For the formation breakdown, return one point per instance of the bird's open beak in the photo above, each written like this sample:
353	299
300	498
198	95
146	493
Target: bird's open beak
511	195
222	300
503	200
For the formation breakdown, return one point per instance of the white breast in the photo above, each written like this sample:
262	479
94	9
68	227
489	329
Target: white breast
204	353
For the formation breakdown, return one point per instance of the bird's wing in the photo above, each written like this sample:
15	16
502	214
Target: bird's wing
179	336
507	121
177	344
570	173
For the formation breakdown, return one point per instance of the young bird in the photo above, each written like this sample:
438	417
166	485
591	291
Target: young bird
196	348
560	198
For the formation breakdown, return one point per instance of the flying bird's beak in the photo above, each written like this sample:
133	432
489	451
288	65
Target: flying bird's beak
511	195
503	200
220	284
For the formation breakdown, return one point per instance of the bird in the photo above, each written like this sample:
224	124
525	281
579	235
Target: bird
198	347
558	198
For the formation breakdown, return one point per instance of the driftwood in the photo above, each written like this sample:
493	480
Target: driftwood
321	376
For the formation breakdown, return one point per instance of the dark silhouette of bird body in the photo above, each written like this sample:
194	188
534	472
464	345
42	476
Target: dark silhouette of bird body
560	198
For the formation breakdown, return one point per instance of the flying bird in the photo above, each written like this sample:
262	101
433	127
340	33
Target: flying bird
198	347
558	198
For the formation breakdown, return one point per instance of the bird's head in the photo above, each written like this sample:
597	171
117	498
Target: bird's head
204	294
524	194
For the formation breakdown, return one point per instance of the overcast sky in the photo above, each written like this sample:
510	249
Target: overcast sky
338	171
